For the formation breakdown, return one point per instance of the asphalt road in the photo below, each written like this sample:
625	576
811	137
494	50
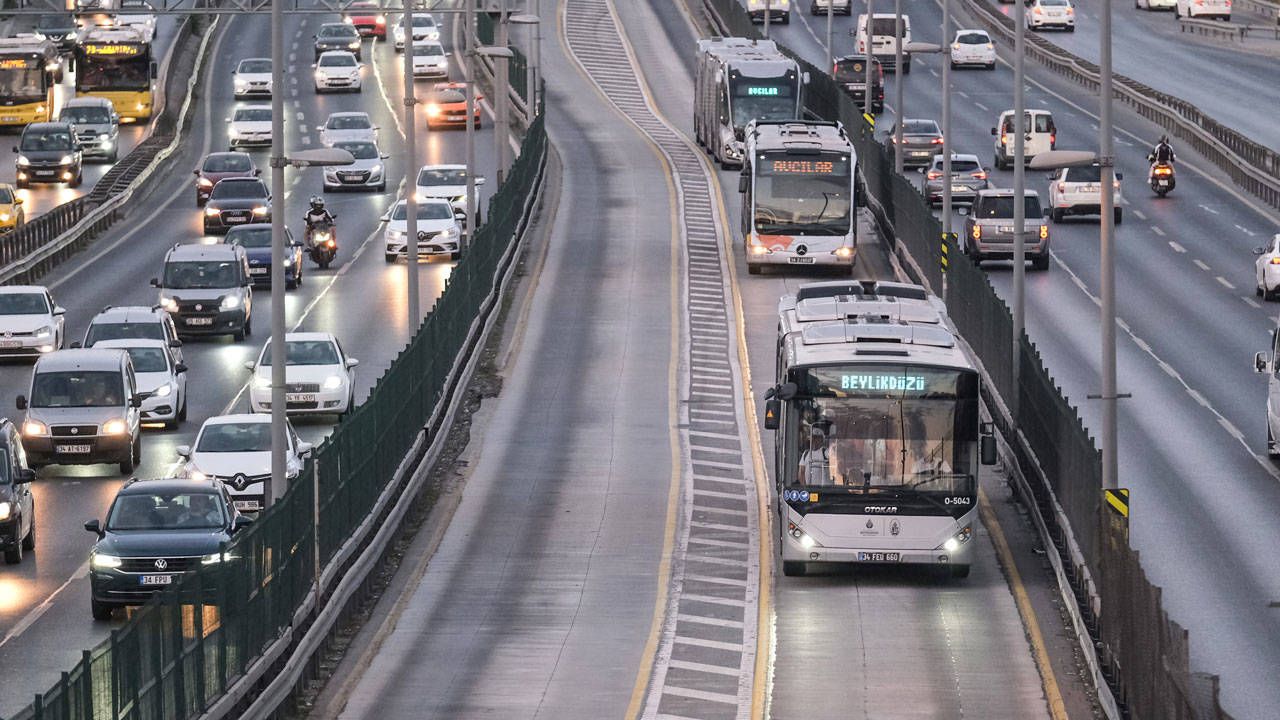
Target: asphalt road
44	614
1192	438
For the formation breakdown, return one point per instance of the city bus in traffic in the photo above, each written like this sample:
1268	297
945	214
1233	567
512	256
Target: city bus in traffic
798	203
116	64
737	80
30	69
877	432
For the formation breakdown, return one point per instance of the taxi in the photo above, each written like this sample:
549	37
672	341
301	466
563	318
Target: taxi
447	105
11	215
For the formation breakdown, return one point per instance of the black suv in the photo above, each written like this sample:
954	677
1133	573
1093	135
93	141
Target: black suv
155	531
850	73
337	36
17	506
49	153
59	29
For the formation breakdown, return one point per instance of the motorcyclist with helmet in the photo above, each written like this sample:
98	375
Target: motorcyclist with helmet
320	220
1161	175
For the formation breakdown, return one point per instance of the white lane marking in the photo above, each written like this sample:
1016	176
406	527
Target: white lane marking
395	113
302	117
1222	281
980	106
30	618
963	94
1208	209
1201	264
935	74
1245	230
1156	229
306	139
1251	302
1177	247
293	58
1141	215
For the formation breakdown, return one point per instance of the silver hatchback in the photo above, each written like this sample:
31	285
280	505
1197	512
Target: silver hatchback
967	178
989	230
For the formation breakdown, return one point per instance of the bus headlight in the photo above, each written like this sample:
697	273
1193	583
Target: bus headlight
801	536
843	252
955	542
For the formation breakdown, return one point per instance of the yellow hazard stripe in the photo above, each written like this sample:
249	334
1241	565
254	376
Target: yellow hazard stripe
1119	501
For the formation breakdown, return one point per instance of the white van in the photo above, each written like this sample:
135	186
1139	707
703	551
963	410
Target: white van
884	41
1041	135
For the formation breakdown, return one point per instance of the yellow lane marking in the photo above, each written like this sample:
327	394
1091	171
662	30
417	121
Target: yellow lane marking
1057	708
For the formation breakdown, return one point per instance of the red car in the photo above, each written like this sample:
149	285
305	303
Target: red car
220	166
447	105
368	19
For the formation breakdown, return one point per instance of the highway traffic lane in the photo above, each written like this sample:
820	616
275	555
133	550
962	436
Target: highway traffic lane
545	580
371	288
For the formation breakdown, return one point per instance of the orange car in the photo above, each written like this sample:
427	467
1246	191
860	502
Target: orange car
447	105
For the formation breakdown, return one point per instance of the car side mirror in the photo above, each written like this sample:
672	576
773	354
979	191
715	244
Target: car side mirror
352	362
76	344
241	522
385	218
21	402
993	131
155	282
183	451
179	368
136	400
1259	251
175	343
1260	363
304	449
18	201
59	310
24	475
94	527
196	173
250	365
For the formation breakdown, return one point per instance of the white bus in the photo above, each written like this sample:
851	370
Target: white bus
798	204
877	433
737	80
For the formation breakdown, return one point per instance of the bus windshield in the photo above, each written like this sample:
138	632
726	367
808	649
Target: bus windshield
22	79
117	73
803	194
884	430
762	99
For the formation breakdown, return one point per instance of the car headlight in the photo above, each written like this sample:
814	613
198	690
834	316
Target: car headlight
288	262
395	234
215	558
163	391
66	160
196	474
448	233
375	170
353	45
261	210
232	132
262	382
169	304
959	539
355	74
230	302
204	182
333	382
240	84
23	161
4	217
101	560
6	510
115	426
211	211
34	428
45	331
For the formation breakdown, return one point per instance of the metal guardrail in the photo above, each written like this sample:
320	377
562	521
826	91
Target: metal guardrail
1265	8
1213	28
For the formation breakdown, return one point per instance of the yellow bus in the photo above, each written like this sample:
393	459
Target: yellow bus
29	70
116	64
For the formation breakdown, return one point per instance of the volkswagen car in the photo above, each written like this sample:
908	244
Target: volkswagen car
249	126
337	70
337	36
351	126
252	78
447	106
30	322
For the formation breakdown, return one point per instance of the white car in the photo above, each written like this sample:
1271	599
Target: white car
249	125
1078	191
1051	14
447	182
438	230
1268	269
252	78
317	373
973	47
160	376
348	127
30	322
430	60
1156	4
338	70
367	172
820	7
1220	9
141	19
424	28
236	449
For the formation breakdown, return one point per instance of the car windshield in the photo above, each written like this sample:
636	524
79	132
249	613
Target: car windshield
304	352
1001	206
86	115
235	437
1091	174
149	359
1055	3
236	190
920	127
339	60
37	140
430	49
348	122
250	237
123	331
360	150
252	115
227	163
167	511
78	388
55	22
959	166
973	39
421	21
426	211
450	96
201	274
428	177
23	304
6	196
336	31
255	66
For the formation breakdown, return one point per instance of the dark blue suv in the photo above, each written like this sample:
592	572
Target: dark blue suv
156	530
256	241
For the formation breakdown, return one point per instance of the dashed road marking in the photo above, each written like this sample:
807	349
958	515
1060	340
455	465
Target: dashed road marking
1251	302
1140	215
1222	281
1202	265
1176	247
1156	229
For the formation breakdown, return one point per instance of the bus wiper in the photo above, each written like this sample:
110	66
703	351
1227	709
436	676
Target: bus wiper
817	226
933	475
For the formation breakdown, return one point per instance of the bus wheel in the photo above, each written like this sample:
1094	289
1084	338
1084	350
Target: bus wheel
793	568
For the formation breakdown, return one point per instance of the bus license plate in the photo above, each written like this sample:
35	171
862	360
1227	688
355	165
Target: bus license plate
884	557
156	579
74	449
300	397
8	118
199	321
801	260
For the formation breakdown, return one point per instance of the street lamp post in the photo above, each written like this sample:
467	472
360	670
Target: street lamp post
473	203
898	78
531	77
501	88
869	61
411	196
831	58
1019	192
946	136
1106	158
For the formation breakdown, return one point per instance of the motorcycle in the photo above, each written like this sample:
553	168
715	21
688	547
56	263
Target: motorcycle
1161	176
322	242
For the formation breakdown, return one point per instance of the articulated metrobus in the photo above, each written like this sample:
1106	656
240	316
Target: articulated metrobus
737	80
797	188
30	68
877	431
116	64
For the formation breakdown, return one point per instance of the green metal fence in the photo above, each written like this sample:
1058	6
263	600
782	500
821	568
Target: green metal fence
517	66
181	651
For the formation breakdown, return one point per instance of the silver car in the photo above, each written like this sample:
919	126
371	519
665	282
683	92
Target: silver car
367	172
921	140
967	178
988	230
97	126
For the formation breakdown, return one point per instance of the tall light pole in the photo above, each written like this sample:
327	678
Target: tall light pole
898	77
411	195
1107	161
768	10
868	60
1019	192
501	88
831	58
946	134
473	204
279	440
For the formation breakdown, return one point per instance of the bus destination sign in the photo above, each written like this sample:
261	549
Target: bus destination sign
881	382
16	63
886	381
112	50
765	90
795	166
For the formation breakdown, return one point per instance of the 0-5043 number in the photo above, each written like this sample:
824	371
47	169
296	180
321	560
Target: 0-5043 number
957	501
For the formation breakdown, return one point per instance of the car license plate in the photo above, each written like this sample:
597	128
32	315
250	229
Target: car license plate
300	397
10	343
959	188
74	449
801	260
199	321
1006	228
234	219
886	557
44	172
253	505
258	270
1164	182
156	579
919	153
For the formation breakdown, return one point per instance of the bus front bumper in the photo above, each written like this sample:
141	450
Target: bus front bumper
23	115
840	257
794	551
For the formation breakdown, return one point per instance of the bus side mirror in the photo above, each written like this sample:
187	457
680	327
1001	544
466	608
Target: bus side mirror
1259	363
772	411
744	182
155	70
987	443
